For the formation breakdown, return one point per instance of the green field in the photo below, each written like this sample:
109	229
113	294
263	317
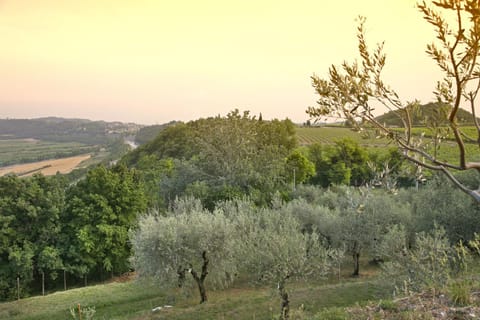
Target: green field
135	300
328	135
29	150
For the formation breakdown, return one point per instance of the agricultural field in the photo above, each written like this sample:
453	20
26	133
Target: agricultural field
46	167
448	150
328	135
17	151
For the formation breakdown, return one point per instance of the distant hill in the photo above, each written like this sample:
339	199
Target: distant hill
65	130
426	111
148	133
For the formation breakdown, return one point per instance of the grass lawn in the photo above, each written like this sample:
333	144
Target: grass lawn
135	300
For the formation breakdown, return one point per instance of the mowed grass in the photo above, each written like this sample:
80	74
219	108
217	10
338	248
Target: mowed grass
135	300
30	150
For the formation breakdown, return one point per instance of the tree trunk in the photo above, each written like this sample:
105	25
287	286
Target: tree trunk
356	264
201	280
181	276
285	305
43	283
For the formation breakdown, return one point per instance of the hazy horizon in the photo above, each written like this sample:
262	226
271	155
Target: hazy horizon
151	62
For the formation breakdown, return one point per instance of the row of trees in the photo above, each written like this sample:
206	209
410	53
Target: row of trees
238	155
49	226
345	162
191	246
308	237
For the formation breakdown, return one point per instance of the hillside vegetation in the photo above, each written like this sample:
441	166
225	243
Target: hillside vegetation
423	114
65	130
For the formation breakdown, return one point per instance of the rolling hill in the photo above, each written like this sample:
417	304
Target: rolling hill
425	113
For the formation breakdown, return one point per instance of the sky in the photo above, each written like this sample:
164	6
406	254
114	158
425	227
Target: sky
153	61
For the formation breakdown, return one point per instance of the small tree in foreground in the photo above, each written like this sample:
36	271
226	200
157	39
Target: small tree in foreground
198	243
276	250
353	90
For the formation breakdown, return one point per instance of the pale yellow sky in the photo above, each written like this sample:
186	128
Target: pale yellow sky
152	61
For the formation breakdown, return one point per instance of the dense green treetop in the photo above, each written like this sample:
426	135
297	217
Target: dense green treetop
30	211
100	210
218	158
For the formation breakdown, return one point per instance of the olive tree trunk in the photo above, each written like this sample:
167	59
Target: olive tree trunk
285	304
200	280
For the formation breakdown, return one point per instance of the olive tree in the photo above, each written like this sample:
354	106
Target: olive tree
276	250
427	264
353	220
195	242
353	90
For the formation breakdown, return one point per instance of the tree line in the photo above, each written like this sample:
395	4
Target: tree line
221	158
52	228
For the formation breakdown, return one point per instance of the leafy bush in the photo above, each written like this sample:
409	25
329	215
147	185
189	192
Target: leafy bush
428	265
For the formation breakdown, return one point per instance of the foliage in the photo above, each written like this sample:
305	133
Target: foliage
148	133
100	210
220	158
275	250
186	242
278	250
329	172
298	167
30	217
428	265
153	172
353	90
347	162
436	202
350	220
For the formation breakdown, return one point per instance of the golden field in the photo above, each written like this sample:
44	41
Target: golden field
46	167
